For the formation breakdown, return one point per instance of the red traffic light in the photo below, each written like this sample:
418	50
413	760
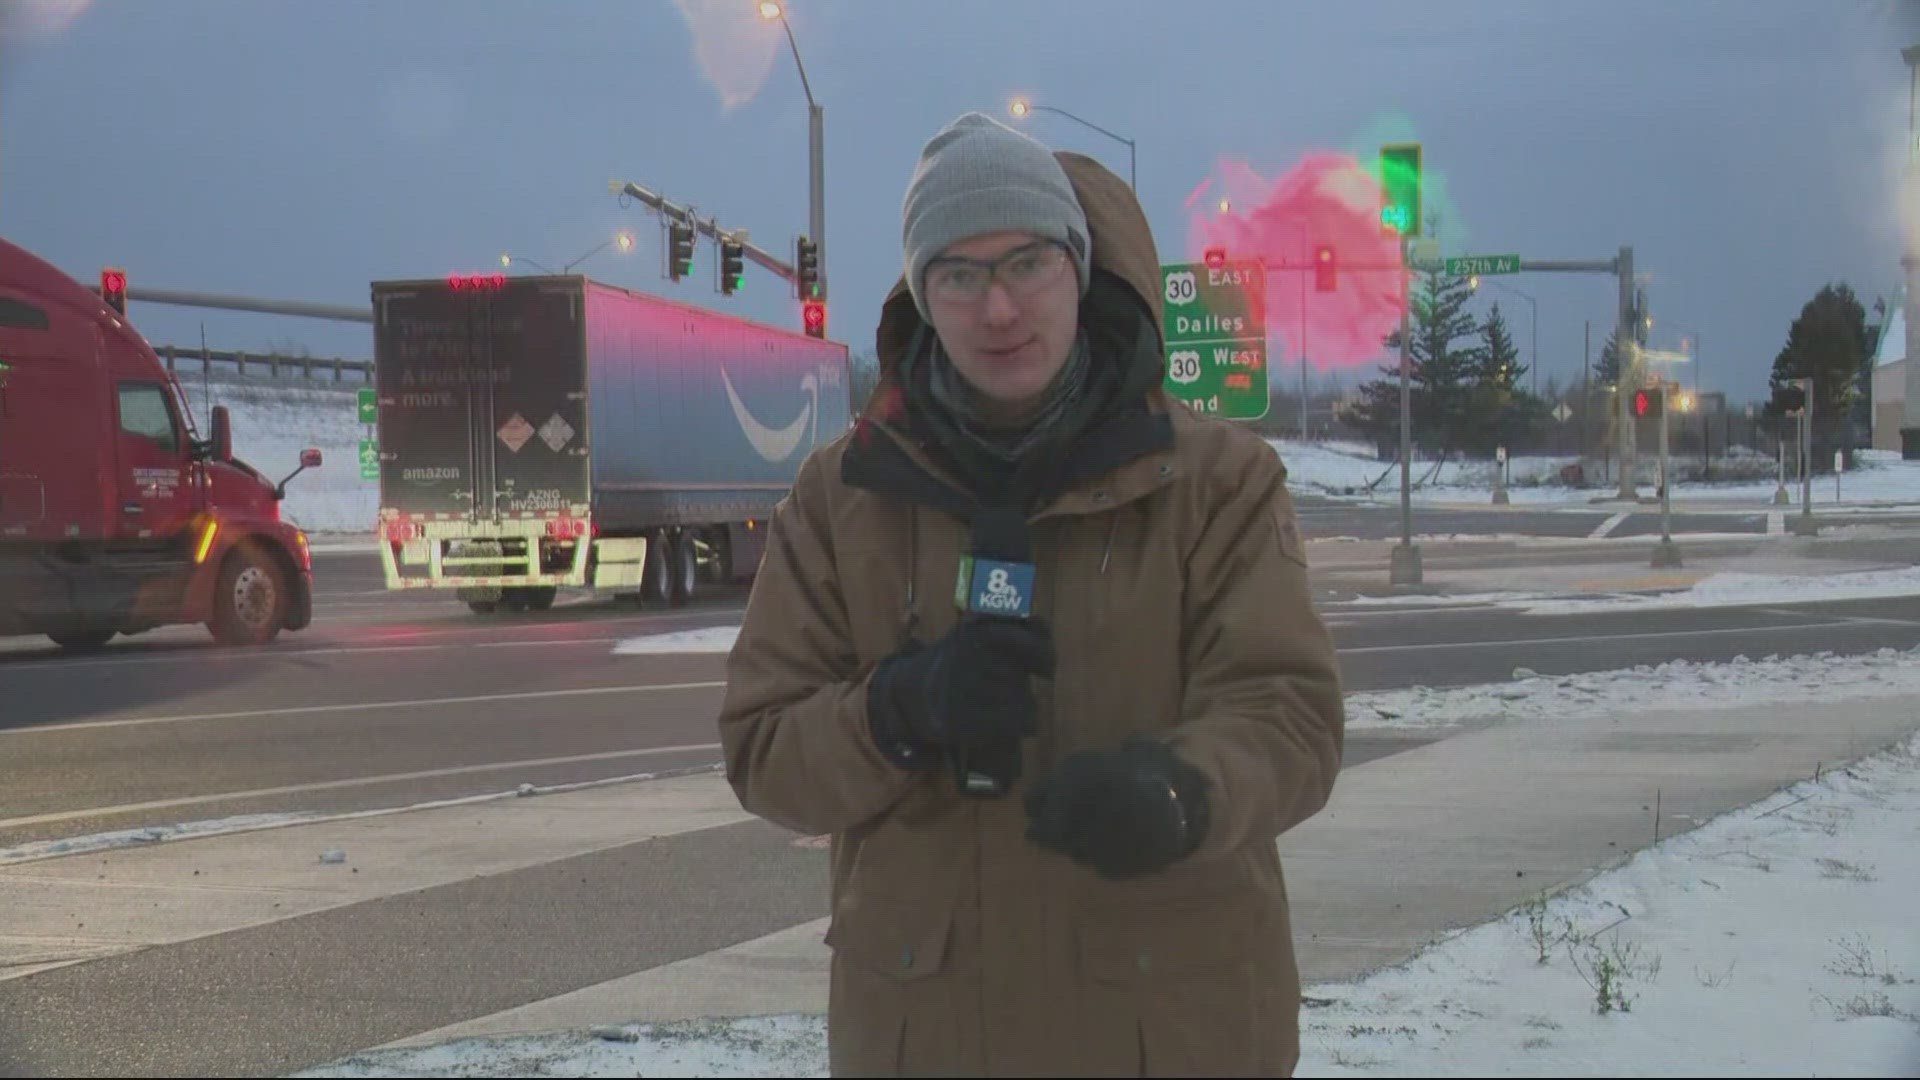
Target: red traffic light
1216	258
113	288
813	313
1325	273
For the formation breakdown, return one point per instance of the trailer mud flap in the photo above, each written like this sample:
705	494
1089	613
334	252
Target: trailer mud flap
619	563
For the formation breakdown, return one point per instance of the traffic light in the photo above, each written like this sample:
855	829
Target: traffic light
1400	189
732	271
813	314
1325	271
113	289
1648	403
679	251
806	269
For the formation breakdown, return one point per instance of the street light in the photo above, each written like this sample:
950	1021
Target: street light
772	10
1021	107
623	238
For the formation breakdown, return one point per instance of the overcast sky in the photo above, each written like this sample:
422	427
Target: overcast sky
1748	150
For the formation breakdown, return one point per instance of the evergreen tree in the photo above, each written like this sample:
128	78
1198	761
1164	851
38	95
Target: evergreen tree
1441	369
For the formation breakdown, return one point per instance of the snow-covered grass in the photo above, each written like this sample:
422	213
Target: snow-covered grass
1677	684
1776	940
1729	589
1345	469
1738	590
272	423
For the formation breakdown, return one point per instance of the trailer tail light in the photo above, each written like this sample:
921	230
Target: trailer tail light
566	528
400	530
207	533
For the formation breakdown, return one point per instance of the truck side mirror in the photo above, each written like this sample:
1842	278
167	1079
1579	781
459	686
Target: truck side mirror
309	459
222	441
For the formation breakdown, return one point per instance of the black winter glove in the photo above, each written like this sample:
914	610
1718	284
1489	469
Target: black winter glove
1124	812
967	692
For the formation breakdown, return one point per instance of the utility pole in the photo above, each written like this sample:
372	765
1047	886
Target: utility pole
1803	525
1625	337
1586	385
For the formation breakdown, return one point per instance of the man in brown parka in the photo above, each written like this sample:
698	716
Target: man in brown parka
1054	799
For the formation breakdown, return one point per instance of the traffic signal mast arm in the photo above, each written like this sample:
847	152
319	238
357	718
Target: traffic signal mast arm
682	215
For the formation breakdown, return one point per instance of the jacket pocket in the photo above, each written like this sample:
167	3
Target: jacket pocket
1187	975
888	1013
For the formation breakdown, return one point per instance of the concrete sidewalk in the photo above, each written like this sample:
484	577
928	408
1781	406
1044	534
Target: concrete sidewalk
1412	846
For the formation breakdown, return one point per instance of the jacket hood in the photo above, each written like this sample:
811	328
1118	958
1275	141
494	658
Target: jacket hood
1126	272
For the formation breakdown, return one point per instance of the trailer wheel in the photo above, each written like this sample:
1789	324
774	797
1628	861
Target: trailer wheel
249	598
483	607
686	569
656	575
81	634
719	565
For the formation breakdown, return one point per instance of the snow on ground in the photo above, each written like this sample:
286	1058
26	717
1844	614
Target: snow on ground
707	639
272	423
1677	684
1731	589
1737	590
1345	469
1774	940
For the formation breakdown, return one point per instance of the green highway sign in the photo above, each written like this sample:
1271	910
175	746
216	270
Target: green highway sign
1468	265
369	460
1217	337
369	407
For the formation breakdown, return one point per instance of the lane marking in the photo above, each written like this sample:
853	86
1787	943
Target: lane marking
1606	527
1777	523
365	706
336	785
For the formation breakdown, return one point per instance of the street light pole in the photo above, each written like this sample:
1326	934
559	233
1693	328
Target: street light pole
1021	107
816	149
1910	262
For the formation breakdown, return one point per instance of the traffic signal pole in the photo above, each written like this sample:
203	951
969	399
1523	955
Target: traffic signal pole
1666	554
1405	566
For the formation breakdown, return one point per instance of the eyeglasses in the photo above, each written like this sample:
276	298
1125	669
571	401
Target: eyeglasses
955	280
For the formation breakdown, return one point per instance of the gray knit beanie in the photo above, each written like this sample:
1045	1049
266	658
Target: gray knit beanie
980	176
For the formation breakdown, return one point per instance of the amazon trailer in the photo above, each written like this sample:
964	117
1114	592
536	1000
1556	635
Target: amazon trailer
536	433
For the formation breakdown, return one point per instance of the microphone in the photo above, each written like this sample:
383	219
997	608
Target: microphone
995	581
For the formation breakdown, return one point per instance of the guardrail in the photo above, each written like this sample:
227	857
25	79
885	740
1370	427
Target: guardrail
268	365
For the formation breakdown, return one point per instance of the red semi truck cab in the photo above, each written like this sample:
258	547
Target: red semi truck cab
115	517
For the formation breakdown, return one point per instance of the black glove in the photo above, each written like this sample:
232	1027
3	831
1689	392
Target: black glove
967	692
1124	812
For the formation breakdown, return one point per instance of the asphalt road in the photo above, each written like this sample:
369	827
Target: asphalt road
395	700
